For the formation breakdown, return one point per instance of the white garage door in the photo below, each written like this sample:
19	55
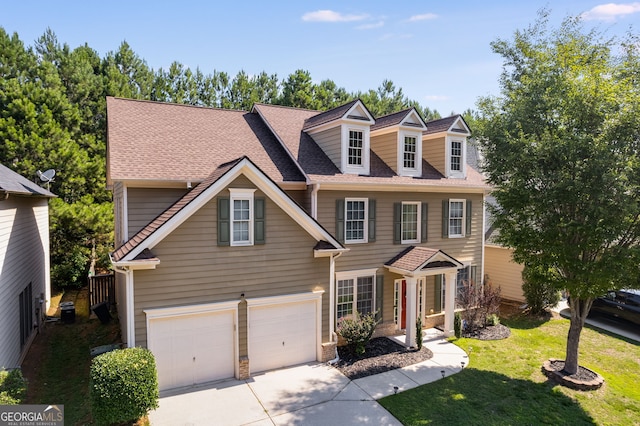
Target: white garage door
192	348
281	335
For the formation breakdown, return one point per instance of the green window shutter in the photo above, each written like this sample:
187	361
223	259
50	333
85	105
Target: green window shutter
423	222
445	218
473	274
379	295
259	224
340	220
438	294
372	221
397	223
467	228
224	225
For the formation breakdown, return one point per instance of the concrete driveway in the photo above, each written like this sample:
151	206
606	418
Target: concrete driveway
310	394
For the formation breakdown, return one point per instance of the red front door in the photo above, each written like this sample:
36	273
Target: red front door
403	319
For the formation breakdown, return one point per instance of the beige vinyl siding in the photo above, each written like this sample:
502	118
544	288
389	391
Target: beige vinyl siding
302	197
503	272
193	269
144	204
435	151
376	254
386	147
24	259
331	143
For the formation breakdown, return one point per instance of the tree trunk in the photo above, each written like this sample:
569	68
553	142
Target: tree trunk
579	310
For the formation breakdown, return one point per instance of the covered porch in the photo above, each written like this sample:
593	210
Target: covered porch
413	265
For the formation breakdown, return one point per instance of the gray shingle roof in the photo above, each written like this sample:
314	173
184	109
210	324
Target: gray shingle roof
442	125
14	183
329	115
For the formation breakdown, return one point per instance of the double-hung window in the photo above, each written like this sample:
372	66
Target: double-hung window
355	293
456	158
410	222
409	152
355	220
241	217
456	218
355	148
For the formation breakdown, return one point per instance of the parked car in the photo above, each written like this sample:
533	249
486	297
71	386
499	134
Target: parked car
624	304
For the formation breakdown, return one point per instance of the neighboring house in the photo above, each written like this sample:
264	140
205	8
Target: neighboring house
500	269
24	264
243	237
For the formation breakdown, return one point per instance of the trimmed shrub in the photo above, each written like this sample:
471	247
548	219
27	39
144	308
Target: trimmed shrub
538	292
457	325
13	387
123	385
478	303
419	332
357	330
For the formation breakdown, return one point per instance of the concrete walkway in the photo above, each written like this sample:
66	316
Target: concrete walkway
310	394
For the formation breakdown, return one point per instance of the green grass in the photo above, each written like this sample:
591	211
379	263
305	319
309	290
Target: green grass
61	360
503	384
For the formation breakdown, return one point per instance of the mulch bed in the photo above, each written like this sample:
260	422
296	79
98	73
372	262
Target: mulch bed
381	354
490	332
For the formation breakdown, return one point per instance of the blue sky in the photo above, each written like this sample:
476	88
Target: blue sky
438	52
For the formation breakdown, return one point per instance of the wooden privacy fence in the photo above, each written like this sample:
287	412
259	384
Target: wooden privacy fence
102	288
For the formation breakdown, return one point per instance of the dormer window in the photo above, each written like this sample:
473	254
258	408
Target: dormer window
409	152
355	147
456	157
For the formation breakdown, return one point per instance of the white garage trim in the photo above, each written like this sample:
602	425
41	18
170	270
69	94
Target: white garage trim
180	311
286	299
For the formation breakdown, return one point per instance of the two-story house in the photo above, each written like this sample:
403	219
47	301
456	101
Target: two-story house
244	237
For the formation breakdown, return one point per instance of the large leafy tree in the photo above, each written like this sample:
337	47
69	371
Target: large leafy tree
561	145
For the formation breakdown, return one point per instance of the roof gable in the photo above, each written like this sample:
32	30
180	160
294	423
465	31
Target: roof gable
413	260
352	111
453	124
204	192
406	118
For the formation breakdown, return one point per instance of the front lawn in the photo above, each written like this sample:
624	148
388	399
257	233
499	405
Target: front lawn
503	384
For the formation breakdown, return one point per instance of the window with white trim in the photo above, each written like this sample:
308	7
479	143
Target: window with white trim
409	152
456	218
456	156
355	293
410	222
241	216
355	148
355	220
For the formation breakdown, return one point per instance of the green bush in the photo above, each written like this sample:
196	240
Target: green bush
493	319
357	330
457	325
13	387
123	385
419	332
539	294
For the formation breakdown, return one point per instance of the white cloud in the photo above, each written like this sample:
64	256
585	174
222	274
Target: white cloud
423	17
331	16
611	11
437	98
371	26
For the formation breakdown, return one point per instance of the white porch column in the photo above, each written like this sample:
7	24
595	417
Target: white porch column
410	338
449	302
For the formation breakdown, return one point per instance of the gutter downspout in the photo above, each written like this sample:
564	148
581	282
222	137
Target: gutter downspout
314	200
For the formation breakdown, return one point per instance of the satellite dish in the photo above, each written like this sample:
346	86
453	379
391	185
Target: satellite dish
46	176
